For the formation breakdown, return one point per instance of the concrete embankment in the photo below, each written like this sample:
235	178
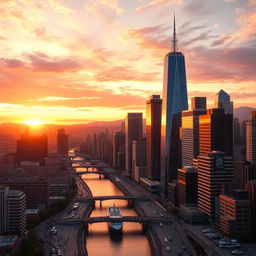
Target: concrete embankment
81	238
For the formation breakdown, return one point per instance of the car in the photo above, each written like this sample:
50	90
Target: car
208	230
237	252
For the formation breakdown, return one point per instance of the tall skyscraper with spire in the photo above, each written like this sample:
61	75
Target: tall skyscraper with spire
175	100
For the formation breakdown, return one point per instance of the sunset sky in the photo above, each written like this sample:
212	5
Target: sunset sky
75	61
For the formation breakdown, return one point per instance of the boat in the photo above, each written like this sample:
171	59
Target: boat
114	213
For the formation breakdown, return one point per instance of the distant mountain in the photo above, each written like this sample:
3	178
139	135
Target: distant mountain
243	113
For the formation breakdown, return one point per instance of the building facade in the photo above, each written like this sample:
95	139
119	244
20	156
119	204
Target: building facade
251	138
174	102
133	131
214	169
139	159
118	145
153	131
62	142
17	218
32	149
216	132
190	130
235	215
187	186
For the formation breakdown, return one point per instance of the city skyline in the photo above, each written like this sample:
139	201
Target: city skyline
64	62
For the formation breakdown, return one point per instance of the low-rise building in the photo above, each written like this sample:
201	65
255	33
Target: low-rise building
235	216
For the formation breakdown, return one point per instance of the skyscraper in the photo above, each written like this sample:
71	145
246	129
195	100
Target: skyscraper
174	102
3	209
222	100
216	132
118	144
251	138
32	149
62	142
153	130
133	131
214	169
190	130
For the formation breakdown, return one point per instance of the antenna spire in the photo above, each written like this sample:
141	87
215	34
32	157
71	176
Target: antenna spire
174	40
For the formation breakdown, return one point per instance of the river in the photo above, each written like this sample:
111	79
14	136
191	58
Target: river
99	242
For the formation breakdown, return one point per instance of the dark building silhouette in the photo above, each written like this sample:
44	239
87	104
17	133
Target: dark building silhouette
118	146
244	172
216	132
198	103
187	185
62	142
133	131
251	188
174	102
32	149
251	138
153	131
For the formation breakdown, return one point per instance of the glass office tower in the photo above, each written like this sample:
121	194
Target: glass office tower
174	102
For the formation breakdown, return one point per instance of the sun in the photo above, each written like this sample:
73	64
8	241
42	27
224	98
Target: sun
33	122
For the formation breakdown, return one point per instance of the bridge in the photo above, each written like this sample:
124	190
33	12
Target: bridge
84	161
86	166
90	172
104	198
101	219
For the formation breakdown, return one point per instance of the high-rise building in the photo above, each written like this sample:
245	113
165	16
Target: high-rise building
3	209
31	149
216	132
133	131
235	215
187	186
251	188
251	138
118	144
153	131
12	211
17	219
190	130
244	172
222	100
139	161
214	169
62	142
175	101
198	103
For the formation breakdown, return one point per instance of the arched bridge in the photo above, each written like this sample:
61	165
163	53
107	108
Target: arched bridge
101	219
104	198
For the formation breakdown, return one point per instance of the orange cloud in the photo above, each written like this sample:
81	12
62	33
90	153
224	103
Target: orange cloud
156	3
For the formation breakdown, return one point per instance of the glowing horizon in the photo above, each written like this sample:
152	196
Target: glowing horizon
70	62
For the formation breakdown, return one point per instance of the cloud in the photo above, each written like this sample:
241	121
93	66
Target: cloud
43	63
121	73
198	8
57	98
11	63
155	3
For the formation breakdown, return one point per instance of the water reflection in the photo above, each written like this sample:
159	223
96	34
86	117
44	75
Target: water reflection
99	242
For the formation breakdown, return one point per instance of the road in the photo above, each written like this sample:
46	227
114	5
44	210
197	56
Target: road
67	235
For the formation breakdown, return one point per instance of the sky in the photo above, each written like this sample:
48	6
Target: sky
77	61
